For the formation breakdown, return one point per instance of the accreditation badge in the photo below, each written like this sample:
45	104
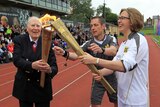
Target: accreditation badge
126	49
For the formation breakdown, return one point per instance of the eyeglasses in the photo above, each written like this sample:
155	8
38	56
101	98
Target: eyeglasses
123	17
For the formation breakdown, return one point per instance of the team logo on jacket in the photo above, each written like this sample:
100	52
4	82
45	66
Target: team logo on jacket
126	49
107	46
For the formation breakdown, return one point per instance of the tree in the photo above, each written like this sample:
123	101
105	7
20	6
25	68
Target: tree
101	9
112	18
82	11
109	16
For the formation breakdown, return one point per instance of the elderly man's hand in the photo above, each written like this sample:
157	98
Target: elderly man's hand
42	66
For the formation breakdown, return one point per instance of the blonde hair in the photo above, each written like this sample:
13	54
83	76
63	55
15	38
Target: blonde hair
4	18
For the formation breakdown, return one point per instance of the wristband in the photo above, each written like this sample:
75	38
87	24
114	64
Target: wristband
97	61
65	53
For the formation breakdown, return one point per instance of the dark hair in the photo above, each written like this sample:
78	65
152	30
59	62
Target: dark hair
101	19
136	19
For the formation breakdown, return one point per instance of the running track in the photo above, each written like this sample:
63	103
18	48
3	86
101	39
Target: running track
71	87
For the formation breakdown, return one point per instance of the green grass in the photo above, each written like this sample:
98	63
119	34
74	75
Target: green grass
156	39
150	31
147	31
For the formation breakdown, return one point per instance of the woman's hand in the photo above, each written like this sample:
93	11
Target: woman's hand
88	59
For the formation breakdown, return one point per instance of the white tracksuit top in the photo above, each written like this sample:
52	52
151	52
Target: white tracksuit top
133	91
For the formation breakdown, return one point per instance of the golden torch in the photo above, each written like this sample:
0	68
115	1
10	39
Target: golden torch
60	27
47	32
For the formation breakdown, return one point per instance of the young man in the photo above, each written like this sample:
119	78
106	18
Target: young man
101	46
29	65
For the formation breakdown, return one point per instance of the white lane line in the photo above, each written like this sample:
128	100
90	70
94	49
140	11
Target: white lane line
6	83
70	84
7	67
5	98
7	73
15	71
57	74
57	91
69	68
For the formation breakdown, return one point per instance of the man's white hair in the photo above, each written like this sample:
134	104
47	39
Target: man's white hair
31	18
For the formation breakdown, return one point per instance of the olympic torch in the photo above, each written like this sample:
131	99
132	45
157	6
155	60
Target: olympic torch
47	32
64	34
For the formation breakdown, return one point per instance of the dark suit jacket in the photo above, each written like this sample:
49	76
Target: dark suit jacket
26	84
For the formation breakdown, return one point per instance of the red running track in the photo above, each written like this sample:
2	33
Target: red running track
72	85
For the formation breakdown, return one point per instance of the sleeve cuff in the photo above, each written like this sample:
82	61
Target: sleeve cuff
123	66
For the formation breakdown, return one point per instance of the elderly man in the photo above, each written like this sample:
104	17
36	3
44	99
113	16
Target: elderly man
29	67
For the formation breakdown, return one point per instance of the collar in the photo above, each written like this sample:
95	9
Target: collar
100	42
131	35
31	40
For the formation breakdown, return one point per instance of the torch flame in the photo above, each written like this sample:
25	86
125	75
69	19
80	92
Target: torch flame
47	20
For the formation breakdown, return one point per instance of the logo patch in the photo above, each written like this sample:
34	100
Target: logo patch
126	49
107	46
